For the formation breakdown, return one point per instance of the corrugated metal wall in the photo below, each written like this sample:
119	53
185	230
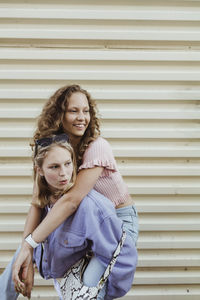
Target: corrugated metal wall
140	60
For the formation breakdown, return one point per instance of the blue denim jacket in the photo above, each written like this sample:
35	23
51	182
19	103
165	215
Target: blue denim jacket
95	226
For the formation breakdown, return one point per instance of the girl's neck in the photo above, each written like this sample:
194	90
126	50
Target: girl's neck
55	195
74	141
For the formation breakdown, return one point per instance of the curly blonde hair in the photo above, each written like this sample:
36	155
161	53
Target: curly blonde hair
50	120
44	192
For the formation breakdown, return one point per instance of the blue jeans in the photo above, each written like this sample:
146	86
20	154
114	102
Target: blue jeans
7	289
129	217
95	269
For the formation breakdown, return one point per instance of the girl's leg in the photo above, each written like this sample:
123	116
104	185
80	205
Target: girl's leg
129	217
7	289
92	275
57	288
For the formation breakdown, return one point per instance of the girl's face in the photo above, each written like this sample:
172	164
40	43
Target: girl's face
57	168
77	116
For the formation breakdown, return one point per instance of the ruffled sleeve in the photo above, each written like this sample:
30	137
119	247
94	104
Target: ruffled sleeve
99	153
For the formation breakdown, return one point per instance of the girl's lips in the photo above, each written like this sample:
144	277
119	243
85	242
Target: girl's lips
80	126
64	182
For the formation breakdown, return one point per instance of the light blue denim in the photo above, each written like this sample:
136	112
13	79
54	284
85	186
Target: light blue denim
7	289
92	275
129	217
95	269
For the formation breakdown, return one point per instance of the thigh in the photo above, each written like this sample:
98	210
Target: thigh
129	217
57	288
93	272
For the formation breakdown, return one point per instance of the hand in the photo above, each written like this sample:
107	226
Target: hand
21	269
28	281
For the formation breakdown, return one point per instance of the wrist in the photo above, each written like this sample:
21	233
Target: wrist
26	247
30	241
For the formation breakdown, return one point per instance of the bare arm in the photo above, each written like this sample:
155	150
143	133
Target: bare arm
68	203
34	215
32	220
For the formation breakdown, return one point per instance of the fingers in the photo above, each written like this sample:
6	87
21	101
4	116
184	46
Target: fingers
20	271
20	289
16	279
24	287
21	264
28	280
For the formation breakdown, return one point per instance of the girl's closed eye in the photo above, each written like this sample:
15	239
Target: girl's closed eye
72	110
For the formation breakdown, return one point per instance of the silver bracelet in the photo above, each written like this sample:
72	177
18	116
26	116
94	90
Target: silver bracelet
31	241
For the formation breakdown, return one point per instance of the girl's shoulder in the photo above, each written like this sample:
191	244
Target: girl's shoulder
99	153
100	143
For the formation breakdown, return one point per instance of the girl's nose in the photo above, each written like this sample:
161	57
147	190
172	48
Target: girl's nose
62	171
80	116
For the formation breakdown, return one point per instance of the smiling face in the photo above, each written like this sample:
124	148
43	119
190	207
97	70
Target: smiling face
77	116
57	168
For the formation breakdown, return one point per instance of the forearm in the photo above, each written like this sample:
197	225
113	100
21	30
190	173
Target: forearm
32	221
61	210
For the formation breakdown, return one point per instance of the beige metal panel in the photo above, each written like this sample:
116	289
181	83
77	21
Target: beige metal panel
127	21
169	240
102	31
96	55
166	292
106	11
140	61
114	90
169	258
74	70
168	203
163	276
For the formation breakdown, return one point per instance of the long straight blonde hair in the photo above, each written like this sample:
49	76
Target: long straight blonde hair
44	192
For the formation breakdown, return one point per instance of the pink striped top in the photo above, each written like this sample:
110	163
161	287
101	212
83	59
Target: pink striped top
110	183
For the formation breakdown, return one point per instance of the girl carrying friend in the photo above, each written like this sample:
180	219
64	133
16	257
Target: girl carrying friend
71	110
95	225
